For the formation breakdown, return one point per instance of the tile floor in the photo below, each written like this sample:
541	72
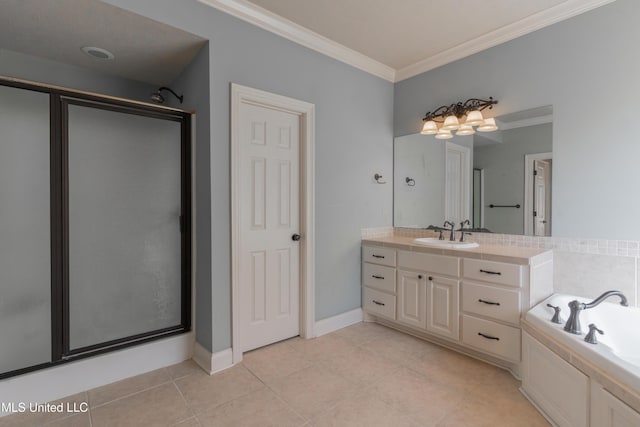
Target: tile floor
363	375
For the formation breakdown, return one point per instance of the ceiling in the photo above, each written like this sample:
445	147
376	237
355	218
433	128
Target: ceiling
145	50
398	39
394	40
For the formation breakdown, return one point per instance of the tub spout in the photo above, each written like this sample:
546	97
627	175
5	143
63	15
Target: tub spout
623	299
573	323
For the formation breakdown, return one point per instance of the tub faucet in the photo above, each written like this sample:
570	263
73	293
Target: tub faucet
573	323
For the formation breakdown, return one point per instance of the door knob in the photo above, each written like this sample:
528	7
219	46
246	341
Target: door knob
295	237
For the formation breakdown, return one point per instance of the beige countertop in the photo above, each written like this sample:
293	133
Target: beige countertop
511	254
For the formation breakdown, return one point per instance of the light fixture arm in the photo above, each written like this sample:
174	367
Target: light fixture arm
180	97
459	109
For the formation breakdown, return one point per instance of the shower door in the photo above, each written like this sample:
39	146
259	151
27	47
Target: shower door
25	229
124	224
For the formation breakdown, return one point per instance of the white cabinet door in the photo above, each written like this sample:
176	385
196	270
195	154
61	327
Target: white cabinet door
412	296
443	306
609	411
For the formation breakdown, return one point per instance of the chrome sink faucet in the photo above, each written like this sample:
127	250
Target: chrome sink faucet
573	323
452	237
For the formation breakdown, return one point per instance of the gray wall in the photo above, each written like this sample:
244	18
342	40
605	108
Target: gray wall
503	166
19	65
587	69
354	113
193	84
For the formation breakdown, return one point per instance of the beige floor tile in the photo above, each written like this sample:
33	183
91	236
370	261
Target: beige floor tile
363	410
30	419
475	412
78	420
159	406
502	390
321	348
424	400
275	361
101	395
450	367
183	369
400	347
190	422
312	390
261	408
203	392
364	331
361	366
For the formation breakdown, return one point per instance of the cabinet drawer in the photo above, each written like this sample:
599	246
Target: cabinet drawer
378	303
491	337
498	303
496	272
379	277
378	255
431	263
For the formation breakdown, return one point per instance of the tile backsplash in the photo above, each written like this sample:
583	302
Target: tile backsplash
583	267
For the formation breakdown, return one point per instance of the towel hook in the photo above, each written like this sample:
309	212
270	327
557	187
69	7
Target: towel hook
410	182
378	179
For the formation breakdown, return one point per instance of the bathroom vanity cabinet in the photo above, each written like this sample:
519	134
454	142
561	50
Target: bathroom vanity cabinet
470	299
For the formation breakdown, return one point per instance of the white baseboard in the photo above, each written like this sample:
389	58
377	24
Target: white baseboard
212	362
74	377
340	321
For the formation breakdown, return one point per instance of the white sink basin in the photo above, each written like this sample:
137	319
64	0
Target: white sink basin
444	244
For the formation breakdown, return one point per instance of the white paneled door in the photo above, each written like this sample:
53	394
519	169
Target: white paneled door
268	216
542	197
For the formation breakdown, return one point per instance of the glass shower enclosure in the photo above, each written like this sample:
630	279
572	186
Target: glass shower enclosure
95	230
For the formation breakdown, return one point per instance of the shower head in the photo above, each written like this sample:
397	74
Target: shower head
159	99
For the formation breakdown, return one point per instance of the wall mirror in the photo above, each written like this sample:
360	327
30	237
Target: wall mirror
501	181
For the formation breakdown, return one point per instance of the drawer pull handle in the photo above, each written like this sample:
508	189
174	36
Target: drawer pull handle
489	337
377	256
378	302
488	302
490	272
377	277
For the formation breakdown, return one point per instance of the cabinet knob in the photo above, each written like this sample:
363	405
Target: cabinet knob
419	276
430	278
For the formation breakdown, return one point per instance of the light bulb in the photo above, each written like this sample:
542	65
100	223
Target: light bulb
465	129
474	118
451	123
430	127
489	125
444	134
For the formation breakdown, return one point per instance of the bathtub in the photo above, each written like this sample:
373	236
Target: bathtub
618	350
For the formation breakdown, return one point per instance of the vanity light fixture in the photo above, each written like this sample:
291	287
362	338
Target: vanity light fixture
447	118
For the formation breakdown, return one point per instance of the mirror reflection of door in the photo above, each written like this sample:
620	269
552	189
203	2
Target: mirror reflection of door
542	197
457	180
477	220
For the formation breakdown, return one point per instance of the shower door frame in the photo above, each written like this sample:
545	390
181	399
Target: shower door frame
59	100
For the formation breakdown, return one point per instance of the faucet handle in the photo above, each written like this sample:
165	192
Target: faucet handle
556	316
591	337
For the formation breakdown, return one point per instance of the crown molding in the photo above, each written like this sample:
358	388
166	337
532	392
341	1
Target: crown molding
533	121
527	25
276	24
